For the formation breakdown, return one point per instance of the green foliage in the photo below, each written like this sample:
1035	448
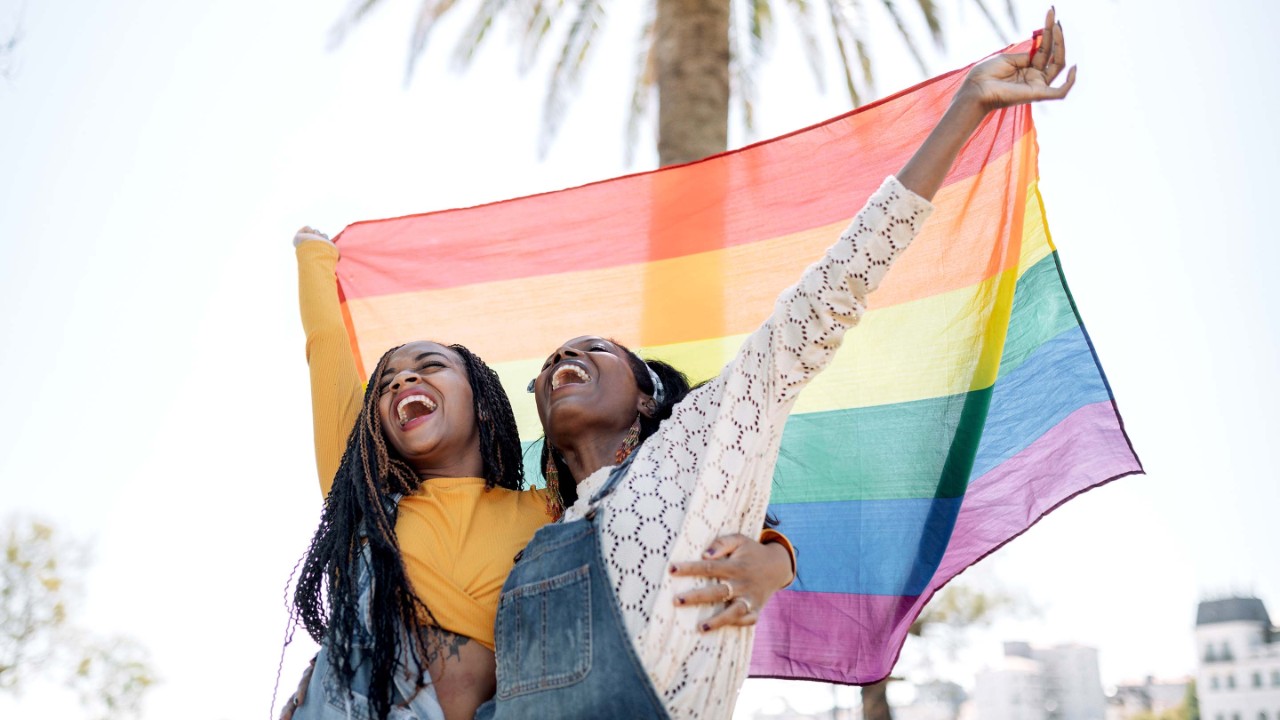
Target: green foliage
1188	710
37	587
1191	702
963	606
40	591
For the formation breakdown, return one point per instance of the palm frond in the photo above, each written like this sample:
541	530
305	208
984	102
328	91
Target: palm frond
760	25
643	80
428	14
803	12
933	22
847	30
537	23
743	66
474	34
907	37
995	25
858	33
567	73
354	14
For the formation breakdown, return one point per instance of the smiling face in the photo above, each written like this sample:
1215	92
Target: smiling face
587	385
427	410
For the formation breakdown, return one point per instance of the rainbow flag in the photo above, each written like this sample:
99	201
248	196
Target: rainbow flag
968	404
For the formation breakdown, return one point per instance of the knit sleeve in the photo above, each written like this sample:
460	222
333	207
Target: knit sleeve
336	386
810	318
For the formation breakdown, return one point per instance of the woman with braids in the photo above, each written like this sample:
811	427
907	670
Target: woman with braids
658	473
424	514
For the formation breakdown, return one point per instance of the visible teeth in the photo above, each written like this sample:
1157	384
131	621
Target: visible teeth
404	403
563	374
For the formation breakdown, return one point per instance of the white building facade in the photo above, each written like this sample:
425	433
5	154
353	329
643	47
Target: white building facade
1042	683
1238	666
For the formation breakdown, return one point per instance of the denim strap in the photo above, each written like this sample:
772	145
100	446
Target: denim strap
614	476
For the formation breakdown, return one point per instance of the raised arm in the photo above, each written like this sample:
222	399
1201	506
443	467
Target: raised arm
810	318
998	82
336	386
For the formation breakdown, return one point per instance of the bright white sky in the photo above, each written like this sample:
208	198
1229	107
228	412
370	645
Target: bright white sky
157	157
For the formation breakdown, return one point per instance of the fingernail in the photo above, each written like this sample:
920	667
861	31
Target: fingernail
708	552
706	627
673	569
679	601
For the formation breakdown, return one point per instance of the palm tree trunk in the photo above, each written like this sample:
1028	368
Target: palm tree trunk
692	65
875	704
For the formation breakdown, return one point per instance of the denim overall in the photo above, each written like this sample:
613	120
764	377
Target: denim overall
562	647
327	699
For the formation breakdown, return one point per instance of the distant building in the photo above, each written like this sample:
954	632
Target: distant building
1042	683
935	700
1238	660
1148	696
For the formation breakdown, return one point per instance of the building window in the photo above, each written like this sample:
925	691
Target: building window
1235	716
1231	685
1262	715
1209	656
1275	678
1257	679
1226	655
1213	685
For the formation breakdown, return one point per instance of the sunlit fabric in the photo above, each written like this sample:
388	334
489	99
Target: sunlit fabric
968	404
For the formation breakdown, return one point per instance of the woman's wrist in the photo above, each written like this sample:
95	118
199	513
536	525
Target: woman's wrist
967	109
781	568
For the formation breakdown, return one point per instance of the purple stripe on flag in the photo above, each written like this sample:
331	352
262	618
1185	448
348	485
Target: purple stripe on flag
1086	449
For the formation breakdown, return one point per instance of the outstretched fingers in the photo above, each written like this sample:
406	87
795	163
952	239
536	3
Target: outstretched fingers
1044	52
1057	56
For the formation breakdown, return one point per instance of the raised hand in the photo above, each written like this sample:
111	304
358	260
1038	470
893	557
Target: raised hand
1000	82
1018	78
309	234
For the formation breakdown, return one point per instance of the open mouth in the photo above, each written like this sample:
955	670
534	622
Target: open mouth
414	407
569	374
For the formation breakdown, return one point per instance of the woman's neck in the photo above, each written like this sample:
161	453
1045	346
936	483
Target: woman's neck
591	453
469	468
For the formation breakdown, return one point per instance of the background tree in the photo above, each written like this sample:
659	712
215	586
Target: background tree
8	43
698	54
40	589
1191	702
946	621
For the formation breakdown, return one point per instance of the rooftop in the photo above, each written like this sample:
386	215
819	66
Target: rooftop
1234	609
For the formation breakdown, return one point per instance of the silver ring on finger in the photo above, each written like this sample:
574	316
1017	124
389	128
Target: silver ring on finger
745	603
728	587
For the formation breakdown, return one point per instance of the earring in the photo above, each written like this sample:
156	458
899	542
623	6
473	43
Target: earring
629	442
555	501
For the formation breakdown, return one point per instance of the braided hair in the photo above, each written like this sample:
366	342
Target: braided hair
358	517
675	386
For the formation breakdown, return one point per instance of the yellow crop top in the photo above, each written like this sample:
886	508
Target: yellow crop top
458	540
